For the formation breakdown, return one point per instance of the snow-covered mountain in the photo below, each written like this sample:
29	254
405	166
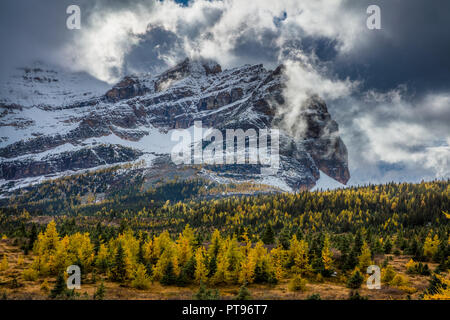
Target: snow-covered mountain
54	122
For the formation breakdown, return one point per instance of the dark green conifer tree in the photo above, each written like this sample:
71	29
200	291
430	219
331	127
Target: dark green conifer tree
100	292
119	272
60	287
387	246
169	277
268	236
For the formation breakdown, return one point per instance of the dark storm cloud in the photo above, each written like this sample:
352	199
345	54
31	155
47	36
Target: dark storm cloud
402	106
31	30
412	48
154	45
255	45
36	30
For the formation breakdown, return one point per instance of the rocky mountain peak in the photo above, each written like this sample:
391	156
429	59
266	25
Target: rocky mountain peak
133	120
194	67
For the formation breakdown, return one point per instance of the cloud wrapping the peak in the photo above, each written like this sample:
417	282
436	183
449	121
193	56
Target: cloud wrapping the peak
303	80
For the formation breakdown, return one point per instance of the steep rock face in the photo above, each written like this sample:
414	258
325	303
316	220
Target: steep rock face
128	88
134	118
321	140
70	160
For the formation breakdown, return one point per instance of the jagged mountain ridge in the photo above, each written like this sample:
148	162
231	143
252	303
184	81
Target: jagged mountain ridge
68	131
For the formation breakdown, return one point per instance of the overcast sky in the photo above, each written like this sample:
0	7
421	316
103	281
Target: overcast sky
388	89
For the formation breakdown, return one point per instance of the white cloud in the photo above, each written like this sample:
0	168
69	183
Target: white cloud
101	46
394	131
210	29
395	141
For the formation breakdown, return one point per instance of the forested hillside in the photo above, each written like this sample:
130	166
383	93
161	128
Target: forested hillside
292	239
